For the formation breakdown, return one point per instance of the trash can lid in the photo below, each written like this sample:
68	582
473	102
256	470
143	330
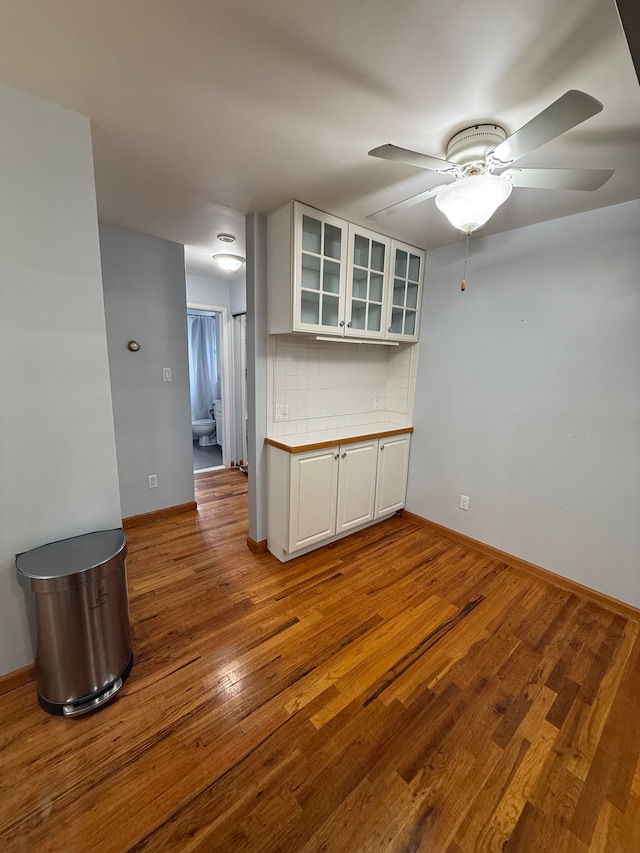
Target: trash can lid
71	556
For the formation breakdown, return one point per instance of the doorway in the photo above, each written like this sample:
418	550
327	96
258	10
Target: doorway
211	396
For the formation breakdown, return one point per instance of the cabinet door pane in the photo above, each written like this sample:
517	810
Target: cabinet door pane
310	307
401	263
410	323
377	256
397	316
311	235
412	296
358	314
414	268
398	291
359	284
310	272
332	241
330	310
374	320
331	277
361	251
375	287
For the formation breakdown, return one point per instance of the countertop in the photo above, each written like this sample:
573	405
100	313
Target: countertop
329	438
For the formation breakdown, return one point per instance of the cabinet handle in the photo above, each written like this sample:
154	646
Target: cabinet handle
389	328
349	324
342	322
337	456
382	447
344	454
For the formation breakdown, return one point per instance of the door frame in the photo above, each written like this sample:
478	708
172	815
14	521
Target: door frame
239	372
225	384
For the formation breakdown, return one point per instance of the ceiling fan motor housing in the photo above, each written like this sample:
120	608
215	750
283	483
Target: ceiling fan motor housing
472	144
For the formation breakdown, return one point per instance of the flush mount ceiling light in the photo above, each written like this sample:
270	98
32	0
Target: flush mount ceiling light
229	263
469	203
226	238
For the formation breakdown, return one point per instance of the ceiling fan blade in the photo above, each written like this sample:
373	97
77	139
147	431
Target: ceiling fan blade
571	109
412	158
407	202
558	179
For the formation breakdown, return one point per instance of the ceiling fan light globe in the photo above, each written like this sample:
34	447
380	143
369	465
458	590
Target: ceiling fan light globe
469	203
229	263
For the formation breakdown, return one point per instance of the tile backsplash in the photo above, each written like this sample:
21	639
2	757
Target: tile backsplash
328	385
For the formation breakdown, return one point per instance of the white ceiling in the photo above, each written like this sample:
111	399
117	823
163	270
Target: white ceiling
203	111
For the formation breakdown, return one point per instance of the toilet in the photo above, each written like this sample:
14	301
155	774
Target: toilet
205	431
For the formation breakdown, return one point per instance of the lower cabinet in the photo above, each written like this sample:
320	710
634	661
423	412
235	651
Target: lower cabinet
312	506
393	467
320	494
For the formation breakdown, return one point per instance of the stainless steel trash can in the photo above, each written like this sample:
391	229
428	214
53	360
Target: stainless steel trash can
83	652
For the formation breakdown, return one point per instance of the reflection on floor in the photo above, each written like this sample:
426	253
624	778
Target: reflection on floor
206	457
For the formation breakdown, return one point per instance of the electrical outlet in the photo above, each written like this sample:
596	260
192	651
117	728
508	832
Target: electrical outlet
282	412
153	481
464	502
376	404
166	374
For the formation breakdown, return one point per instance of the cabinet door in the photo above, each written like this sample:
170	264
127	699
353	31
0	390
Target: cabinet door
320	254
356	484
314	485
406	283
391	481
368	269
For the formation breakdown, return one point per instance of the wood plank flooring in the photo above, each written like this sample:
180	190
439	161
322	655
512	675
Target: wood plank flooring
395	691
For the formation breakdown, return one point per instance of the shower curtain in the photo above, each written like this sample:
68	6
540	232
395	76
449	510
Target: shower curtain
203	364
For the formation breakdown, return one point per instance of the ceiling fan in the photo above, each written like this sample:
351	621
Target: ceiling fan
480	158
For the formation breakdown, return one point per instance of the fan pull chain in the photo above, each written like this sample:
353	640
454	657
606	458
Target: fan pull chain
463	284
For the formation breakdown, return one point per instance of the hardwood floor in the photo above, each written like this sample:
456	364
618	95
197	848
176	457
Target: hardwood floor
392	692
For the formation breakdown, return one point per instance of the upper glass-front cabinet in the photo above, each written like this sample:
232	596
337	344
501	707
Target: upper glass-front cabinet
320	271
406	279
366	280
328	277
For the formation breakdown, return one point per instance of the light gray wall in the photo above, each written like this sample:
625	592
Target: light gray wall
528	396
256	236
222	292
58	473
208	291
145	300
238	295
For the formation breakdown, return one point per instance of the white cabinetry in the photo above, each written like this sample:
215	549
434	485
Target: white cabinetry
391	480
312	507
356	484
318	495
367	283
328	277
306	271
406	279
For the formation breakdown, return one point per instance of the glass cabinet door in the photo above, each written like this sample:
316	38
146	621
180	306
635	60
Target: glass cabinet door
320	265
407	273
367	270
